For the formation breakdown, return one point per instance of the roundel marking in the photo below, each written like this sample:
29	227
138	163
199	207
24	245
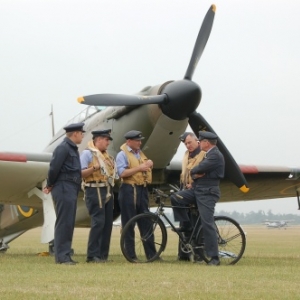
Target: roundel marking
25	211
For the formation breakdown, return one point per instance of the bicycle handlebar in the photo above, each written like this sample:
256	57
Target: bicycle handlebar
160	193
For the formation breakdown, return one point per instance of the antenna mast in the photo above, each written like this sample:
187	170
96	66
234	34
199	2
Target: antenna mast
52	120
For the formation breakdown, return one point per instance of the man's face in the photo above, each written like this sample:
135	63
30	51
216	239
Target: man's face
134	144
102	143
191	143
78	136
205	145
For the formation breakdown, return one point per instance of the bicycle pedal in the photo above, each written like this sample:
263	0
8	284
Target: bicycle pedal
199	247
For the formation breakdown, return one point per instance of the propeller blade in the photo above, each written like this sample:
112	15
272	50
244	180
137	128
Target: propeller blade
201	42
120	100
232	170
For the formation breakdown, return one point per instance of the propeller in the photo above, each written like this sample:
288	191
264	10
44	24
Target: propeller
232	170
179	100
184	90
201	41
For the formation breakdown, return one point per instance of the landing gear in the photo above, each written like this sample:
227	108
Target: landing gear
3	247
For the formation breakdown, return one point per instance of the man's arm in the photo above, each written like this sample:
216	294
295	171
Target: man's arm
207	165
144	167
85	159
59	156
122	164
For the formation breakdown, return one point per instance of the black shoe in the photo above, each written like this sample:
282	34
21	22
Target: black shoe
106	259
184	229
158	259
134	258
74	261
183	258
214	262
198	259
70	263
96	260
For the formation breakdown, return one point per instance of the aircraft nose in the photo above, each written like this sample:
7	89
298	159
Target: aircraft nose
183	98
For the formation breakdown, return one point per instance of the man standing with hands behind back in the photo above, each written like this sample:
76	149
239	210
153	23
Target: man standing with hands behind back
64	181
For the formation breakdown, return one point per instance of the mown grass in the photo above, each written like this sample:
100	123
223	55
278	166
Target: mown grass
269	269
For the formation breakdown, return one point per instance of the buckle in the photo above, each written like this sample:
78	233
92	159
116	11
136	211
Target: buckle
110	180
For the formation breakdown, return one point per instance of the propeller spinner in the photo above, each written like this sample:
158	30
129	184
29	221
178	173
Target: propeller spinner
179	100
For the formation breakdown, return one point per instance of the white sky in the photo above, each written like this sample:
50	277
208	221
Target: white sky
55	51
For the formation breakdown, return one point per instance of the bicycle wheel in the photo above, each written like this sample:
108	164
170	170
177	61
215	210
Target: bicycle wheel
231	240
143	238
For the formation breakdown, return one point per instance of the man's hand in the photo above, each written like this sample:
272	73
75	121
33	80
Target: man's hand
47	190
149	162
188	186
144	167
96	166
196	176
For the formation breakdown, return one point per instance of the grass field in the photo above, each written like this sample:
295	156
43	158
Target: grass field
269	269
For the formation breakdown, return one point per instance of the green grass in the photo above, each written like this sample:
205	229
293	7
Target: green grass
269	269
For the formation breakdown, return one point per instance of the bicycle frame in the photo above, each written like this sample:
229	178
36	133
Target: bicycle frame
145	244
183	238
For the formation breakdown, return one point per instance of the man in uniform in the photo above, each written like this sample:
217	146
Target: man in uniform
206	176
134	168
192	157
99	173
64	181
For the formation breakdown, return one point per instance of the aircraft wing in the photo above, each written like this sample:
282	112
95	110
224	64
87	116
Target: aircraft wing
265	182
19	174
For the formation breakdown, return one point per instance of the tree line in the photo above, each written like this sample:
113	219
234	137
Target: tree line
259	217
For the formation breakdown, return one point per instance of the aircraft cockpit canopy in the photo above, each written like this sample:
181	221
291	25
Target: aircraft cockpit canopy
83	116
86	114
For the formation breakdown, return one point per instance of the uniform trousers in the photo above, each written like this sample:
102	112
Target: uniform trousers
100	207
64	194
133	200
206	199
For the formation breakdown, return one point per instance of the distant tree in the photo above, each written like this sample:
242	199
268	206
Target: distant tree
258	217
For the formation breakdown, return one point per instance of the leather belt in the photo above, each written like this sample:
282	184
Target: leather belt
133	184
143	184
100	184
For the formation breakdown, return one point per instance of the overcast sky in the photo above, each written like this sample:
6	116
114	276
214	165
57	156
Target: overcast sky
55	51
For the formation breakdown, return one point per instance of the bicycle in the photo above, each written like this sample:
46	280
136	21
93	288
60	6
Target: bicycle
230	235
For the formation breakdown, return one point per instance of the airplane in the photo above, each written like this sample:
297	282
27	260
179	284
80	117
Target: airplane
277	223
162	113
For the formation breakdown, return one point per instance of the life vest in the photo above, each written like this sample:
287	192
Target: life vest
188	164
138	178
107	166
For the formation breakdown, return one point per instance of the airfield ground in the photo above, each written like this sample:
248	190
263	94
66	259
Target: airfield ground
269	269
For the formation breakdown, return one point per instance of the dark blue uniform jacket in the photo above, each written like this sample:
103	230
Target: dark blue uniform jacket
213	166
65	163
